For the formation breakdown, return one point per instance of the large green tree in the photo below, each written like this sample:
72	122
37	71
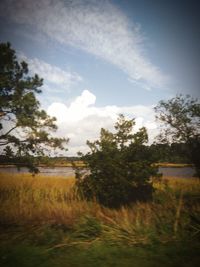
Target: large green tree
180	123
25	128
118	166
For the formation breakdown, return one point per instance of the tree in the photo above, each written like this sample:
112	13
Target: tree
8	152
24	126
180	120
173	153
118	166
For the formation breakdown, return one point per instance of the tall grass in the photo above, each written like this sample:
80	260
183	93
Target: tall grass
38	201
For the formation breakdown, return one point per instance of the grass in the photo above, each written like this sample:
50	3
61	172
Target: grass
173	165
43	222
76	163
101	255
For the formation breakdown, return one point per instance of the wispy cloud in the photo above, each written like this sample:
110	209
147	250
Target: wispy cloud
95	26
55	76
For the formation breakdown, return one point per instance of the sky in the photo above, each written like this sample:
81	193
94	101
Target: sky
100	58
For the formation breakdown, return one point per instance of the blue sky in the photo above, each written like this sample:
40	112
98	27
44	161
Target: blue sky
102	58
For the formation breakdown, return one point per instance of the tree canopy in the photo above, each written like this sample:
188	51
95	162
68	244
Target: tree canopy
119	166
26	129
180	120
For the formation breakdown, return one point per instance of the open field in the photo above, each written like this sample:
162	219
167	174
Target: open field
43	219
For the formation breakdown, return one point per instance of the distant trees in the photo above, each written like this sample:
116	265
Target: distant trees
172	153
119	166
180	118
24	128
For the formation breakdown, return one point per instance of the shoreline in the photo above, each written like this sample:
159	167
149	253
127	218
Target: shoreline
81	164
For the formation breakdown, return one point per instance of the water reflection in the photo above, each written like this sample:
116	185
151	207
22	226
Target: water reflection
69	172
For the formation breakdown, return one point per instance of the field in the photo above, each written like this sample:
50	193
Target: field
44	223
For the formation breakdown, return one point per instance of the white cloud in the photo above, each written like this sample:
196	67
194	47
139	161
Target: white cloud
97	27
78	109
58	78
82	120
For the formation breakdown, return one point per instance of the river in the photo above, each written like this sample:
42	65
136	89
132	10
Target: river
69	172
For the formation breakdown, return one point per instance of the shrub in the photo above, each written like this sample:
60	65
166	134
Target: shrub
118	167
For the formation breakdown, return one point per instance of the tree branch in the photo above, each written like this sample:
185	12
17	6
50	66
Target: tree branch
4	135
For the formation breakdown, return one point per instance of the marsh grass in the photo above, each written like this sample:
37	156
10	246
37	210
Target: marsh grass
51	209
173	165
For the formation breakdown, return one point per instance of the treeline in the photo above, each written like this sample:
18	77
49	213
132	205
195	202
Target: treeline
49	161
170	153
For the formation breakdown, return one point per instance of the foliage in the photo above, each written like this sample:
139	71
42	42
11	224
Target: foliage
119	166
170	153
25	128
180	118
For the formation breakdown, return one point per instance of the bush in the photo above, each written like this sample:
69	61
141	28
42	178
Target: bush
118	167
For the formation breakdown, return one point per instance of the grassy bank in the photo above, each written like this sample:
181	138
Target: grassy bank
44	218
50	164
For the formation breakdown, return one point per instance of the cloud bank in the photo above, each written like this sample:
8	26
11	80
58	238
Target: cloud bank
82	120
97	27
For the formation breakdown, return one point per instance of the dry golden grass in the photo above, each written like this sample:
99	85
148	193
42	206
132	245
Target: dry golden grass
188	185
42	200
173	165
9	180
37	199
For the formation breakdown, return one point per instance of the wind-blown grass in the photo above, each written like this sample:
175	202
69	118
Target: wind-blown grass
53	202
44	223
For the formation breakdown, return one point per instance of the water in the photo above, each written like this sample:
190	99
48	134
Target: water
69	172
47	171
177	171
